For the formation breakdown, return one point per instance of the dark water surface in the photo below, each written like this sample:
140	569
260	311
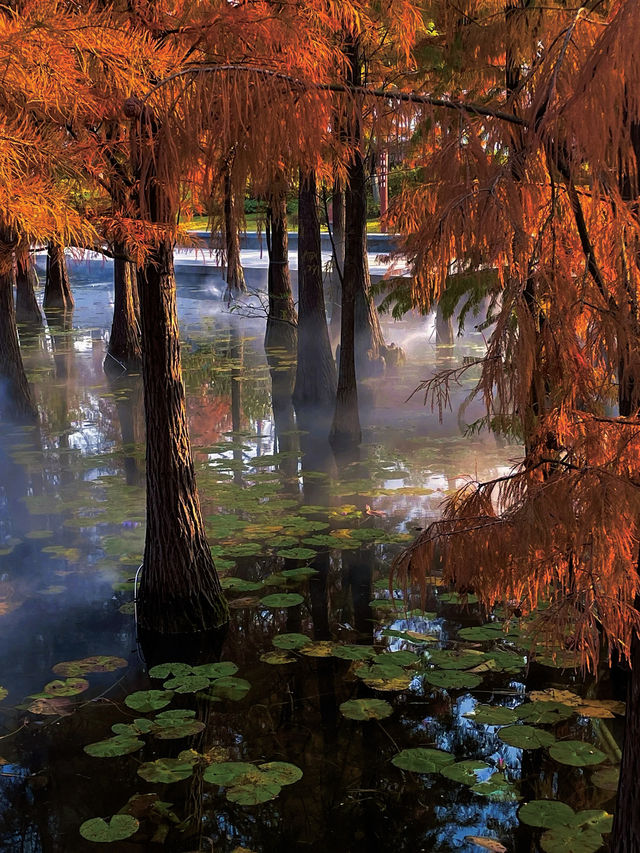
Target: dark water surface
275	502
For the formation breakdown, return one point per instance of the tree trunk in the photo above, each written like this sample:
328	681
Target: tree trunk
281	333
27	308
625	836
338	235
316	370
124	353
179	588
57	290
16	401
235	274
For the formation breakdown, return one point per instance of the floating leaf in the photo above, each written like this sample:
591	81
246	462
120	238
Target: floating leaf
415	637
602	708
482	633
544	713
568	839
166	770
576	753
239	585
277	658
282	599
297	553
526	737
486	843
120	826
281	772
230	688
148	700
253	790
299	574
68	687
246	549
141	726
607	778
352	652
450	659
464	771
546	814
400	658
187	683
509	662
453	679
50	707
227	772
222	669
291	641
3	693
164	670
319	649
83	666
596	819
497	788
421	760
121	744
366	709
493	715
170	725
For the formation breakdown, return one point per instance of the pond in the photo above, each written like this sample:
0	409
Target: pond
341	713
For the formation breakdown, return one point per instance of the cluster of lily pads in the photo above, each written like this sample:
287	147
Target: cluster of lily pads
54	696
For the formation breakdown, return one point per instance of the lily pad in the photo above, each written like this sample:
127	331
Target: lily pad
3	693
281	772
253	790
400	658
166	770
277	658
299	574
144	701
497	788
544	713
120	826
421	760
121	744
319	649
222	669
227	772
482	633
526	737
297	553
576	753
452	679
547	814
164	670
230	688
464	771
281	599
291	641
170	726
68	687
141	726
83	666
352	652
366	709
239	585
571	839
449	659
607	778
187	683
493	715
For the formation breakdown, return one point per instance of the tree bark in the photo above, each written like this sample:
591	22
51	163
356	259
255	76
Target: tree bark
316	379
338	235
625	836
282	323
16	400
179	588
124	353
234	274
57	290
27	308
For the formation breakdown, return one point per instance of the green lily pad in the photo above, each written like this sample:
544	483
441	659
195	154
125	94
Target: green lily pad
607	778
291	641
83	666
482	633
464	771
230	688
452	679
187	683
596	819
281	772
576	753
493	715
277	658
246	549
366	709
140	726
297	553
121	744
421	760
319	649
68	687
148	700
164	670
227	772
450	659
120	826
3	693
252	791
544	713
526	737
509	662
497	788
571	839
547	814
352	652
166	770
222	669
171	729
281	599
400	658
239	585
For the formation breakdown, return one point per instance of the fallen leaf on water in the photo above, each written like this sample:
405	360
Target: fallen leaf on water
486	843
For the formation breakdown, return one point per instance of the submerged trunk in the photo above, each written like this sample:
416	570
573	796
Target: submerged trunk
27	308
124	352
281	332
235	274
316	371
16	401
625	836
179	588
57	290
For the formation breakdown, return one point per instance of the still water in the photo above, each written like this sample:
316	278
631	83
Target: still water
284	520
